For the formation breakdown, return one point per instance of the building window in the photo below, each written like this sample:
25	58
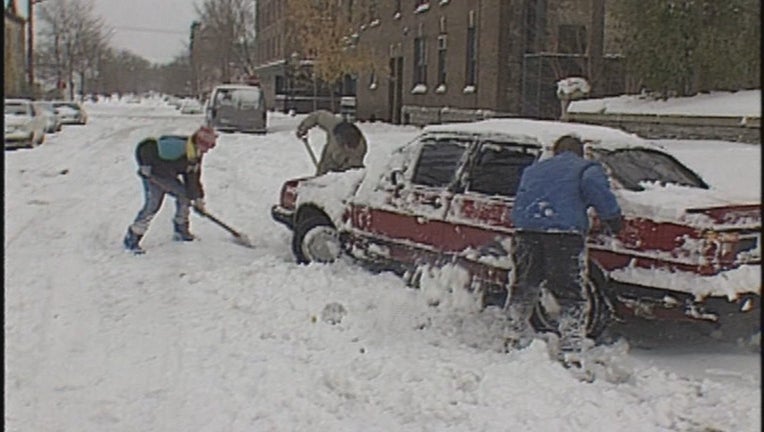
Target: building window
471	73
442	46
571	39
420	61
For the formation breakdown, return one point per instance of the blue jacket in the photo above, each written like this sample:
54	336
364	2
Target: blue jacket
554	194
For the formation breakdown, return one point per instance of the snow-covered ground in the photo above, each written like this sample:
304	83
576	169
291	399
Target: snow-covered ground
211	336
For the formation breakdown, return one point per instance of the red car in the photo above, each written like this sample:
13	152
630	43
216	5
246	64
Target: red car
685	253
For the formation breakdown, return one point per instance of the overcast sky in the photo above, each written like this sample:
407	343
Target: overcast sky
157	30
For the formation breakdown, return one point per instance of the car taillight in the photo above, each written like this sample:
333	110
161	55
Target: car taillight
288	196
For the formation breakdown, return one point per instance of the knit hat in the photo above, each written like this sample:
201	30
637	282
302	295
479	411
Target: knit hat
205	137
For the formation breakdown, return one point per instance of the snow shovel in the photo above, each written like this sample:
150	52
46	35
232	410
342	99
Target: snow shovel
310	151
238	237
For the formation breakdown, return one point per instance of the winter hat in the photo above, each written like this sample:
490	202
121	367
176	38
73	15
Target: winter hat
205	137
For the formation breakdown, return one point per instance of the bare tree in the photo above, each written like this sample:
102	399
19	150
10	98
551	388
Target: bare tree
227	33
73	38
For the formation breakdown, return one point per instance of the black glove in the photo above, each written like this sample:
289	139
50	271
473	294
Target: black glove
613	225
199	206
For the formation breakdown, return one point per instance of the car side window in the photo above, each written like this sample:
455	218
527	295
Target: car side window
497	168
438	162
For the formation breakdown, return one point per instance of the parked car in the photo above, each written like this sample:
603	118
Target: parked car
70	112
686	253
52	122
174	102
237	108
190	106
24	124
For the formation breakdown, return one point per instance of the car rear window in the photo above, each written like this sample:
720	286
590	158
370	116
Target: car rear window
438	162
630	167
247	98
498	167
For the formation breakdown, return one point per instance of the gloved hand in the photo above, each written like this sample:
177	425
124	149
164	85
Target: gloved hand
301	133
144	171
198	205
613	225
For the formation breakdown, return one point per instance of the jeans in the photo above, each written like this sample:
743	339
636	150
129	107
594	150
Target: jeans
154	197
555	261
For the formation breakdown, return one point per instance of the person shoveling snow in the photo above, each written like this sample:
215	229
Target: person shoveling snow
172	164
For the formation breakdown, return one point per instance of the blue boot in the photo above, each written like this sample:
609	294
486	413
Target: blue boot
131	242
182	233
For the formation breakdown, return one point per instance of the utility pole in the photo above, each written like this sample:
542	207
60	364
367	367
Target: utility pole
30	49
30	37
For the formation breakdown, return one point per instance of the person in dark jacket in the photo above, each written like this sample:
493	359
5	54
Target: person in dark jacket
345	145
170	164
551	221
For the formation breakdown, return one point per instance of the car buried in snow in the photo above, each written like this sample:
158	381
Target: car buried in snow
685	253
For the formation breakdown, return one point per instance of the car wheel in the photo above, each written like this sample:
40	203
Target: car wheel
544	318
315	240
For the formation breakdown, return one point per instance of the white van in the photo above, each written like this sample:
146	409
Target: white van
237	108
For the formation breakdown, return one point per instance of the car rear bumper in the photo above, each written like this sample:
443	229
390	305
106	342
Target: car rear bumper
283	216
18	139
664	305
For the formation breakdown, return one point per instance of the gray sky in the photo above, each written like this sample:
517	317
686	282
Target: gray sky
157	30
154	29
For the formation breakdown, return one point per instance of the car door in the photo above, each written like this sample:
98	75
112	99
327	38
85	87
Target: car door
479	212
401	218
481	209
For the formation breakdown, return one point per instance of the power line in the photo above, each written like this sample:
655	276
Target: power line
150	30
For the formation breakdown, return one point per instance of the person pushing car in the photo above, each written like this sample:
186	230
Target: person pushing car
551	221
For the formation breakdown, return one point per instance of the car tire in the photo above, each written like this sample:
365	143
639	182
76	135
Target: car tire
315	240
600	309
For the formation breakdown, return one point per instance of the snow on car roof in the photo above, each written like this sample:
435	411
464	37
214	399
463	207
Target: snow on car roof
237	87
545	131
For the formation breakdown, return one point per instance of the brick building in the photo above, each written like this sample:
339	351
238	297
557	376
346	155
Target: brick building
14	64
446	60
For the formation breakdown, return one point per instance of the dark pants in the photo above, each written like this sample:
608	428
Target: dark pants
555	261
154	196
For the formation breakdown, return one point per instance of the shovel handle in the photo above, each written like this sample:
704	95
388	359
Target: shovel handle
310	151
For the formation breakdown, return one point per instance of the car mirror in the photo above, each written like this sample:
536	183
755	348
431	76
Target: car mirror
396	178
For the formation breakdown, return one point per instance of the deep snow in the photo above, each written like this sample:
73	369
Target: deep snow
210	336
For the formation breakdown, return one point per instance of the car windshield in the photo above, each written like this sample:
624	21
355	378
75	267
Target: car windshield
634	166
16	109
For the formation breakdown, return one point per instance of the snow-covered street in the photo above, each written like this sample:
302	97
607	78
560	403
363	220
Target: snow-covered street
211	336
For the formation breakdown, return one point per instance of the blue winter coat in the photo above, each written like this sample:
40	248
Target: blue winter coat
554	194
